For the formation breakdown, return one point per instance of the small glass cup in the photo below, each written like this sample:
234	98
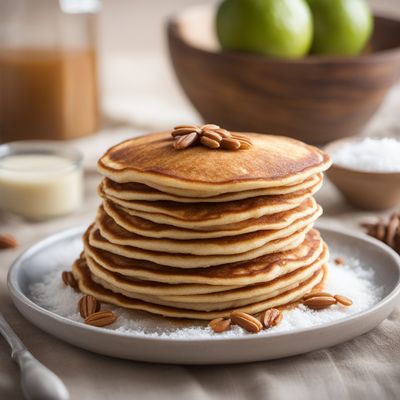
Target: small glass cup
40	179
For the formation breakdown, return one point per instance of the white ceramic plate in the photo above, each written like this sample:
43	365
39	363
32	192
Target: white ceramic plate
38	261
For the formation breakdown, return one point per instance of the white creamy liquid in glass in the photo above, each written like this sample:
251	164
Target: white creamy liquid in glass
39	186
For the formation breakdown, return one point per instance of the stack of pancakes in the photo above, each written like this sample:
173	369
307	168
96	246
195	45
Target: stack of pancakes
198	233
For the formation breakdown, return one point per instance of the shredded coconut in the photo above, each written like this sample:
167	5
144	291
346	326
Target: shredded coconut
351	280
369	154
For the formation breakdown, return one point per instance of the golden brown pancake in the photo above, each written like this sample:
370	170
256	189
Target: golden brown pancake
227	245
139	191
192	294
149	287
199	233
216	301
148	228
88	286
243	273
200	215
195	261
272	161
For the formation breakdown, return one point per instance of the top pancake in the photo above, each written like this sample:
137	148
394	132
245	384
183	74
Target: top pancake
272	161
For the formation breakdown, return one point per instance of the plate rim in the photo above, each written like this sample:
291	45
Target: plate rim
17	295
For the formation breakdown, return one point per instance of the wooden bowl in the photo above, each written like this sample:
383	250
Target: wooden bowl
366	190
316	99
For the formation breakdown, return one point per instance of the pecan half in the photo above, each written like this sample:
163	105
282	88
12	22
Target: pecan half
246	321
212	135
230	144
88	305
219	325
211	143
271	317
339	261
101	318
343	300
69	280
7	242
184	141
319	302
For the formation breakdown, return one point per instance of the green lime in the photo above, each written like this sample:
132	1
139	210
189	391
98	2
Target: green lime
278	28
341	27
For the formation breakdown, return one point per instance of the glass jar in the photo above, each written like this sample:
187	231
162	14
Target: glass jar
48	74
40	179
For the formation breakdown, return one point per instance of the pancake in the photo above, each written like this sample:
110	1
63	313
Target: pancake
88	286
199	233
139	191
149	287
143	227
254	271
228	245
199	215
272	161
195	261
211	302
187	293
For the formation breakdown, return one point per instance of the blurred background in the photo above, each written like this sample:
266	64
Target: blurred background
137	83
119	74
136	65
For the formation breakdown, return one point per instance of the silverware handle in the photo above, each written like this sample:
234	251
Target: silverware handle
37	381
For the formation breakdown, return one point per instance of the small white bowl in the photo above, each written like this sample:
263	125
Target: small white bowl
364	189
